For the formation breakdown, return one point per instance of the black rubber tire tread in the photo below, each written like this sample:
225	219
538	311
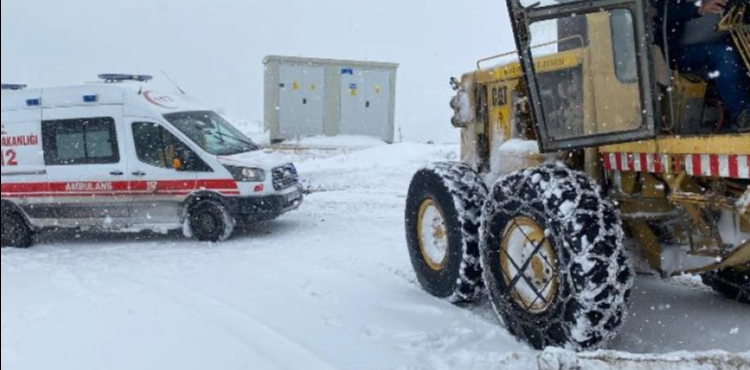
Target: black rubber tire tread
16	232
731	283
224	222
460	194
595	276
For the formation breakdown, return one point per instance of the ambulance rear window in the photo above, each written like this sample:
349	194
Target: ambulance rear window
80	141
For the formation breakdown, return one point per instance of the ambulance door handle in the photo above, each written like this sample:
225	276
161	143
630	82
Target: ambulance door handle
117	173
139	173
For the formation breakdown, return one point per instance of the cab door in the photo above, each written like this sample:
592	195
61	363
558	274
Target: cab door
587	70
161	178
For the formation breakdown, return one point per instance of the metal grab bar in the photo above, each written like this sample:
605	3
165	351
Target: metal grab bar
734	23
573	37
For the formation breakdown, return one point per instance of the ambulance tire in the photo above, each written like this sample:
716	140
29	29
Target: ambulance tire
16	233
210	221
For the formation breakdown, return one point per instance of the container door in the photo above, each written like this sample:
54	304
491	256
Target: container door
353	98
86	164
365	103
302	101
377	104
587	70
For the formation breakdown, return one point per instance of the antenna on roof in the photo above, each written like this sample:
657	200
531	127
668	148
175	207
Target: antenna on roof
13	87
111	78
173	83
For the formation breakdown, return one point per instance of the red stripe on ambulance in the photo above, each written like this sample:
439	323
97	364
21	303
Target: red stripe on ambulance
117	188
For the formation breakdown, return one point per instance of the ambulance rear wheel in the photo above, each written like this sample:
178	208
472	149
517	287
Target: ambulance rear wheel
16	233
211	222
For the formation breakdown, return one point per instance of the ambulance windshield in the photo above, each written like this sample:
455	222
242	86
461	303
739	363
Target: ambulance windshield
212	132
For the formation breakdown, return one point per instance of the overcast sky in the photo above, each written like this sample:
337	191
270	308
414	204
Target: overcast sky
214	49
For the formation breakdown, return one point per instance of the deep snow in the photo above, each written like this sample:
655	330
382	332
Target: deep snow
327	287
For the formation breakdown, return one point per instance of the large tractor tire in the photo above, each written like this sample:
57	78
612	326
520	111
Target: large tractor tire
733	284
553	258
443	212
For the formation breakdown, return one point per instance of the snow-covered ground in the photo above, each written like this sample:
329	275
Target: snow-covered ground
327	287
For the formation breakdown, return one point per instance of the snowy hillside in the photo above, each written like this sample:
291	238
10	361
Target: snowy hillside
327	287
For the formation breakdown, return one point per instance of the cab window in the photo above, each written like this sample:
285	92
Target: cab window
157	147
80	141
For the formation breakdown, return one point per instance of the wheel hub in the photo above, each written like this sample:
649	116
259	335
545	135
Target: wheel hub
529	265
433	235
207	222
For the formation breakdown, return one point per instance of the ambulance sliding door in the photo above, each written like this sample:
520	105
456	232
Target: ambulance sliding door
86	164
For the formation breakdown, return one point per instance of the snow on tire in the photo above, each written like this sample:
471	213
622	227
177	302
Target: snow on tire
210	221
733	284
443	213
553	259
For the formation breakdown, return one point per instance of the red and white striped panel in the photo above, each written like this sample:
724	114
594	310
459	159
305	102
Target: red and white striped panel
630	162
710	165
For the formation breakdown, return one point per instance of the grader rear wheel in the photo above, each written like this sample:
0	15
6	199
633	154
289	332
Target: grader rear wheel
553	259
731	283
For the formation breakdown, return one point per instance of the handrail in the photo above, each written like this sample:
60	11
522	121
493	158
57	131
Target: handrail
734	23
579	37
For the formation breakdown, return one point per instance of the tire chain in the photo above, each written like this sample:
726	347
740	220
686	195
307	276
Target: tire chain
596	306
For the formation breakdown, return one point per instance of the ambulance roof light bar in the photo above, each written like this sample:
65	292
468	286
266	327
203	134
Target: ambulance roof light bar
13	87
120	77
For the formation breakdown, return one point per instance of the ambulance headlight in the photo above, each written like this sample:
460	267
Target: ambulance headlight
244	174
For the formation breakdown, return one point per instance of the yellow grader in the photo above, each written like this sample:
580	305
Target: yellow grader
587	153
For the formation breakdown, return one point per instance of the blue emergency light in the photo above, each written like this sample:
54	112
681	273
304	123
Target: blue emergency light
13	87
121	77
90	98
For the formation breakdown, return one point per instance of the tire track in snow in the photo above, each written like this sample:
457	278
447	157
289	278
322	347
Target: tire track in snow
274	346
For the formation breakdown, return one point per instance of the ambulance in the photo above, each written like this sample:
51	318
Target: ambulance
125	155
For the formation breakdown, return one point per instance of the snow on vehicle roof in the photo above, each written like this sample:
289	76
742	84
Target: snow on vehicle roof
154	98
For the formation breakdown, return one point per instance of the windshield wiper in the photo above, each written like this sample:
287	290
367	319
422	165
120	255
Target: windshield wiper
252	146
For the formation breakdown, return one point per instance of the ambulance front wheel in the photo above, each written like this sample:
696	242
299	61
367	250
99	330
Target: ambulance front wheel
210	221
16	233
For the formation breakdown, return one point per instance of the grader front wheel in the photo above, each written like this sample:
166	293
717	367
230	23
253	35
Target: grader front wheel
553	259
443	210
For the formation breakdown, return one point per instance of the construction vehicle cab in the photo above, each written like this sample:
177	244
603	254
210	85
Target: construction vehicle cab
588	143
613	72
623	87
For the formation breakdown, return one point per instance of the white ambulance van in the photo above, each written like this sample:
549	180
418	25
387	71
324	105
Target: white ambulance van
123	155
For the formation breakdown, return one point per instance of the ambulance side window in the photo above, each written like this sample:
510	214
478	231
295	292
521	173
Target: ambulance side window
80	141
157	147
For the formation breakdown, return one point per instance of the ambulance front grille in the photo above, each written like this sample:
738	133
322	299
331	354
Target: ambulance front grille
285	177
